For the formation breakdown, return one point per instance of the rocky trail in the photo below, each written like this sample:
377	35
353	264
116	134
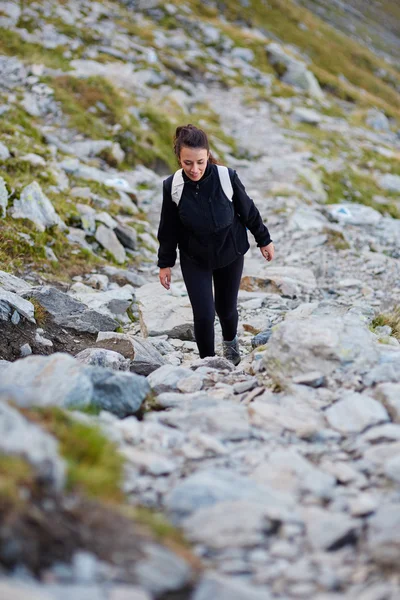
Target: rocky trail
132	469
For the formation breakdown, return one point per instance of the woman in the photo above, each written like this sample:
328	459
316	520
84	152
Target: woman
206	212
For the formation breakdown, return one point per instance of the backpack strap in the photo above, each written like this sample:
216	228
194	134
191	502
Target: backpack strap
225	180
178	182
177	186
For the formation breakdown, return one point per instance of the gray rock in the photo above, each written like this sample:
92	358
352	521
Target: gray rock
321	343
306	218
128	592
162	313
392	468
162	571
15	319
34	205
389	395
33	159
3	197
211	486
11	589
353	214
229	524
24	307
306	115
355	412
107	238
288	471
117	342
99	357
25	350
377	120
127	236
166	378
149	462
220	587
68	312
261	338
288	281
123	276
147	358
60	380
117	392
3	365
383	535
4	152
291	413
114	302
389	182
386	372
327	530
19	436
296	72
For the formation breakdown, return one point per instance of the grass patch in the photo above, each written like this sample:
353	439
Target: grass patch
392	319
351	186
12	44
40	312
95	467
20	254
79	97
15	473
336	239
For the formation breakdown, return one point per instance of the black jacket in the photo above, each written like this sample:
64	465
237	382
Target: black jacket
206	225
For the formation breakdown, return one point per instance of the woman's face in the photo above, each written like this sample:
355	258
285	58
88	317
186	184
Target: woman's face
194	161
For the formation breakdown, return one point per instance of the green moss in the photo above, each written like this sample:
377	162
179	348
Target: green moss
159	525
95	466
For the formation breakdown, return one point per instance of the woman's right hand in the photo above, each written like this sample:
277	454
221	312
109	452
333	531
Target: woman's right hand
165	277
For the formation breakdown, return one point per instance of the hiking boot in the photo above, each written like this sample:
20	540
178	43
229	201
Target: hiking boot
231	351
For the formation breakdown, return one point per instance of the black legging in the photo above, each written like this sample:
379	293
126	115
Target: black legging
198	281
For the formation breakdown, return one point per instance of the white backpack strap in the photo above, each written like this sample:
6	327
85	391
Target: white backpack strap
225	180
177	186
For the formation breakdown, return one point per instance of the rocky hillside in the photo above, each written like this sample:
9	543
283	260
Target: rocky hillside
129	468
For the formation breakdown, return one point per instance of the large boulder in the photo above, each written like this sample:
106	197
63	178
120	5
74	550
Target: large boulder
325	339
60	380
68	312
163	313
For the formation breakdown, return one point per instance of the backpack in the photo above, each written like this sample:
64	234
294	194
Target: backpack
178	183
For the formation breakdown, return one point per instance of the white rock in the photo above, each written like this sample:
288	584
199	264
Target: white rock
107	238
355	412
24	307
34	205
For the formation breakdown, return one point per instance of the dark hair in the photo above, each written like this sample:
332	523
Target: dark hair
191	137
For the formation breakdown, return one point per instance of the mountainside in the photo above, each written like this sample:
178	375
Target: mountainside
129	468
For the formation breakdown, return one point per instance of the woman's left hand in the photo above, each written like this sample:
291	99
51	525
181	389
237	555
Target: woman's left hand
268	252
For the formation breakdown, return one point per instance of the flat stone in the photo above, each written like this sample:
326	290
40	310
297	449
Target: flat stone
291	414
107	238
70	313
327	530
355	412
229	524
10	283
128	592
383	535
389	395
167	377
162	313
100	357
162	571
216	586
354	214
24	307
